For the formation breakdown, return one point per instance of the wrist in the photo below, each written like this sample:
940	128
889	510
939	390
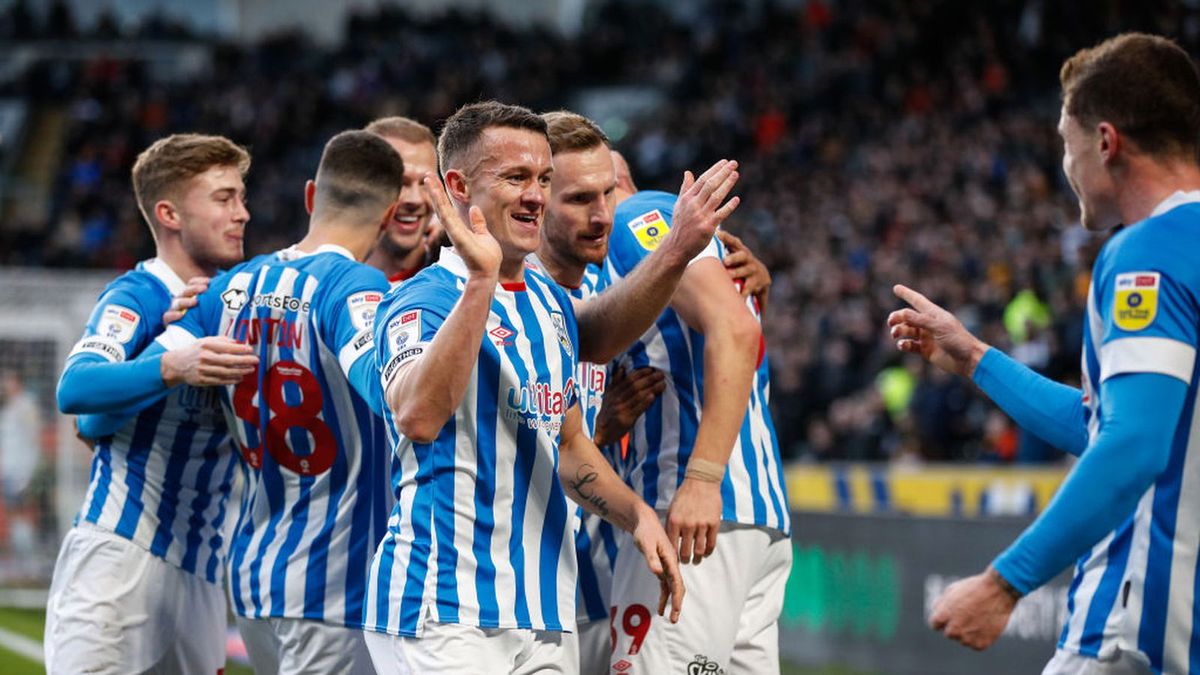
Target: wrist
1003	584
978	349
704	471
171	375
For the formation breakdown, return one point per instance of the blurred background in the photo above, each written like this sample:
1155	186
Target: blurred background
880	141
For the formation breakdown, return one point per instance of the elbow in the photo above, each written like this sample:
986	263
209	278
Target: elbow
417	425
67	396
744	334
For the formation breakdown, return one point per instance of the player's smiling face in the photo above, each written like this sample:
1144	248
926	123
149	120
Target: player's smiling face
579	216
1084	165
510	183
413	213
212	217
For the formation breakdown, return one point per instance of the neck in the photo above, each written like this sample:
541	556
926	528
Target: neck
512	270
170	250
354	237
1148	182
567	273
393	261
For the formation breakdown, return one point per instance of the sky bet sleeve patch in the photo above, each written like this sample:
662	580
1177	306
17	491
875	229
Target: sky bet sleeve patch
650	229
1135	303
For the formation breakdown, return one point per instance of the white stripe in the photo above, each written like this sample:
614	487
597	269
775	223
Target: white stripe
362	343
1127	621
506	450
1084	594
466	469
175	337
30	649
1180	601
1147	355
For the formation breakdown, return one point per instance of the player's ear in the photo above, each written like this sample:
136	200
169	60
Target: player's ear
1109	140
310	192
456	186
167	215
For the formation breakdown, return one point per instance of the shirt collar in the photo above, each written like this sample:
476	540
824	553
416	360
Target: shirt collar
163	272
454	264
293	253
1179	198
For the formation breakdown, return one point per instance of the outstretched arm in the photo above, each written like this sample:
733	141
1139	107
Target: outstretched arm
611	321
1051	411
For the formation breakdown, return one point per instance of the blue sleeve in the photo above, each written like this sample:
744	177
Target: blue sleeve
1140	415
121	388
1049	410
125	320
409	318
347	322
640	223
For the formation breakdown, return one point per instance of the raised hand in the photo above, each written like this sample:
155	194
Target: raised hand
701	208
207	362
474	243
187	299
934	333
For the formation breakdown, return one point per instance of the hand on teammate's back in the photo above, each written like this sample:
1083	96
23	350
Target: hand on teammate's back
474	243
187	299
653	542
701	208
934	333
694	518
745	267
626	397
208	362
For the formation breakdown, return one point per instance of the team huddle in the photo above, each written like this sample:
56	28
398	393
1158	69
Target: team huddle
520	452
506	460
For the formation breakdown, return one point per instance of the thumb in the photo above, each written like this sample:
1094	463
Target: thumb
688	181
478	222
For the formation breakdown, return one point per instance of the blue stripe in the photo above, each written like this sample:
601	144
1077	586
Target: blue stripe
135	468
177	461
588	585
687	372
526	454
196	523
1076	580
232	461
555	524
444	462
101	479
1107	590
337	477
240	542
750	460
1156	588
369	513
488	377
412	598
779	499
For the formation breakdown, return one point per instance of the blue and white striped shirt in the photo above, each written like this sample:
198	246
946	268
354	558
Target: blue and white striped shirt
595	538
660	444
1136	588
163	478
315	460
481	531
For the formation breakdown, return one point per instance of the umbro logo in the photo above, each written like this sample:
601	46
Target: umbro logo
622	666
234	299
502	336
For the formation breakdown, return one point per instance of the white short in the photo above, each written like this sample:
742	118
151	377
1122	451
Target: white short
453	649
593	640
296	646
730	616
1120	663
116	608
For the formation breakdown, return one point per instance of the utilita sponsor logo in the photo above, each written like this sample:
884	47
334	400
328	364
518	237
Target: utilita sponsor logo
539	398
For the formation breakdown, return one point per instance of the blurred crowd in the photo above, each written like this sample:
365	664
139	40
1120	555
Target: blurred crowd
881	142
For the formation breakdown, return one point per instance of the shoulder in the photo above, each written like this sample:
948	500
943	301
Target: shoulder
640	223
432	288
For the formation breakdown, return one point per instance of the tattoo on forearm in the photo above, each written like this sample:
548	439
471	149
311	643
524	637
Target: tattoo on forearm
584	475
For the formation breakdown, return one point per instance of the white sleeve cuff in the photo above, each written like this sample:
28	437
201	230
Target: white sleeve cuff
353	350
713	250
175	337
1147	355
392	367
107	348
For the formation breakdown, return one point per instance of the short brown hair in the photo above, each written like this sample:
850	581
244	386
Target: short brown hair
358	170
163	168
1144	85
402	128
467	124
570	132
